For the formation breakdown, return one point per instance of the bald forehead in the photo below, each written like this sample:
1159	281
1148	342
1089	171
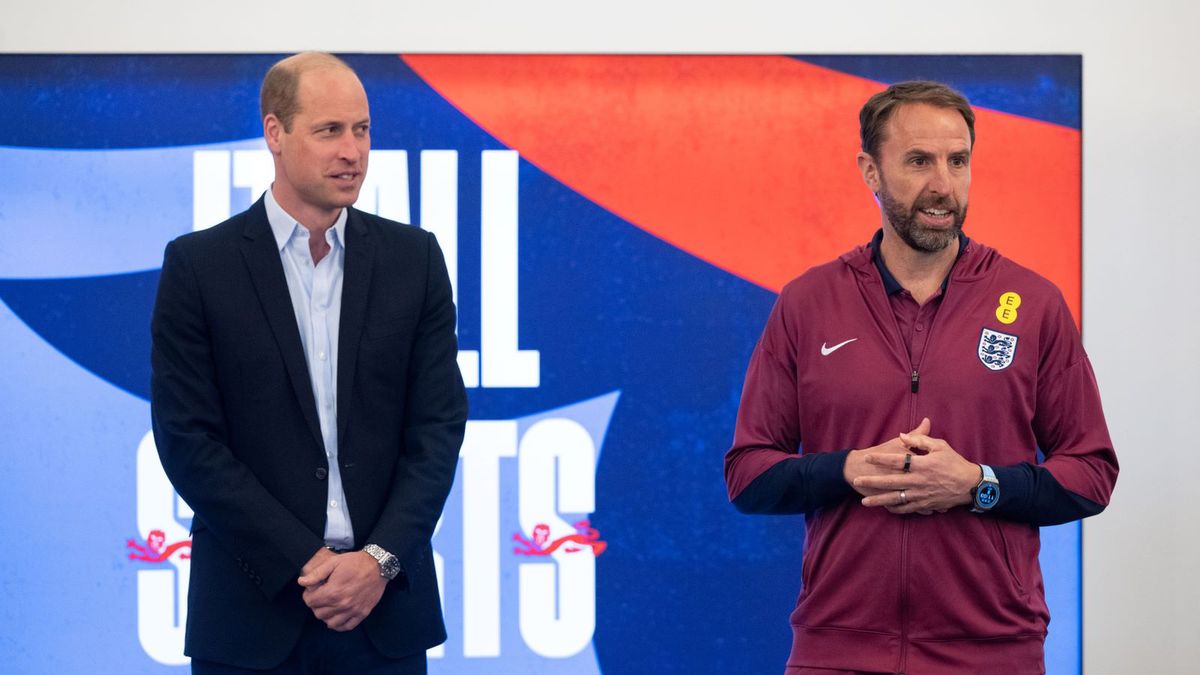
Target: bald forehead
280	95
306	61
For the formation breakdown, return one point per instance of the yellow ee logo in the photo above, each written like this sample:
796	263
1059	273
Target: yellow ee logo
1006	312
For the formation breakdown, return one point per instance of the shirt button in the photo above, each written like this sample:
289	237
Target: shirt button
333	503
321	356
920	326
321	473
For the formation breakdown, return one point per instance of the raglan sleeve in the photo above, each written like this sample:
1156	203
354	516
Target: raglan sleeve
1079	472
764	469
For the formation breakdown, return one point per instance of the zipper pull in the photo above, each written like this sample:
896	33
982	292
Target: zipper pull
916	381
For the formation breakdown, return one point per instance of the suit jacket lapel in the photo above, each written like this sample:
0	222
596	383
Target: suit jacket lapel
360	257
266	270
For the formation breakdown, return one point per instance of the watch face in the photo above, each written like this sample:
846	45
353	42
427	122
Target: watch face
987	495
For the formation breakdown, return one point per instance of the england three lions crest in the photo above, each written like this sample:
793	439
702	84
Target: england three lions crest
996	349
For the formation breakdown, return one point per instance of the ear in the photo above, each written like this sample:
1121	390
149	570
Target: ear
870	171
273	132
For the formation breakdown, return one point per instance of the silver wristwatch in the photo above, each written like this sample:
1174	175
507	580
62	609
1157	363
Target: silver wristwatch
389	565
985	495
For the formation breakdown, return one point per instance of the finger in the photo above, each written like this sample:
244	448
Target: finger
919	442
889	460
868	492
906	508
892	482
320	573
889	499
877	500
321	597
327	614
348	623
320	557
312	600
335	620
343	619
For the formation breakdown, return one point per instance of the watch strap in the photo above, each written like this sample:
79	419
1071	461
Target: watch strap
389	565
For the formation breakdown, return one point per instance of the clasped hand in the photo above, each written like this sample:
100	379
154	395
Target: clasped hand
938	478
341	589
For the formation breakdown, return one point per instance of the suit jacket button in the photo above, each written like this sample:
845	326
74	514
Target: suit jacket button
321	473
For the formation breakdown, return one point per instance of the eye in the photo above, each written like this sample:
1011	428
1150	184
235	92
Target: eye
918	161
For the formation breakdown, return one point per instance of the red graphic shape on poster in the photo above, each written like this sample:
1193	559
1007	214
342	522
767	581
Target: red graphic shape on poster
539	543
156	549
747	162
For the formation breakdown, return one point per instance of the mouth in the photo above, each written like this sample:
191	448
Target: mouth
345	177
937	217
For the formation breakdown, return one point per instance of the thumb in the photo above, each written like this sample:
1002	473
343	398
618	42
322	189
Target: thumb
922	429
319	574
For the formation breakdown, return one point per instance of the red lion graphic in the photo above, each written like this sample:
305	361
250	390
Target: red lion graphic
585	537
154	552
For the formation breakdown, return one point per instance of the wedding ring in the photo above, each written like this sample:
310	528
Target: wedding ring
903	498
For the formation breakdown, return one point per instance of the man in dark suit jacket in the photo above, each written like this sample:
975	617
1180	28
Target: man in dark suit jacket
307	405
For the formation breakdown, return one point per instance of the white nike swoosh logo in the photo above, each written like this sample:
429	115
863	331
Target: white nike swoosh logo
826	351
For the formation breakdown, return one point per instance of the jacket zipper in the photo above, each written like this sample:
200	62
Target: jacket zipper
903	595
914	389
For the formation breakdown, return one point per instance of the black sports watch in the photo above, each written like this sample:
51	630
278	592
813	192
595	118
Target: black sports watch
389	565
985	495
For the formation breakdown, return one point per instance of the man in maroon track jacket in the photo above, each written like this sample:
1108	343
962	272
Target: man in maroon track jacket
921	373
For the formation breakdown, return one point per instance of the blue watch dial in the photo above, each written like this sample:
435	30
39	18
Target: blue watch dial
987	495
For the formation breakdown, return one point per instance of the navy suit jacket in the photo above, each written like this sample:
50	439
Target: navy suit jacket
236	426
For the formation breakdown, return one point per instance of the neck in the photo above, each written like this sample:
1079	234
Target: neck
314	219
919	272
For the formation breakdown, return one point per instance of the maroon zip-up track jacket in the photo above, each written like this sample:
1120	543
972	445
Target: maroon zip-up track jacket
947	593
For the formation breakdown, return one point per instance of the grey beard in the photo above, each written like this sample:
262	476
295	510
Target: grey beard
920	238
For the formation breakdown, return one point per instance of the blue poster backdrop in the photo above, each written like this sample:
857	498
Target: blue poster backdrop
588	529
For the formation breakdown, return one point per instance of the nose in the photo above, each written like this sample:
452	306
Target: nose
939	180
348	148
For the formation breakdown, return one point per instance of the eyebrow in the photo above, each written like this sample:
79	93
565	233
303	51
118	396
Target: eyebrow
917	152
338	123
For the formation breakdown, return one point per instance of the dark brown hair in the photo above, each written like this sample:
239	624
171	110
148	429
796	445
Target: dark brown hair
879	108
281	86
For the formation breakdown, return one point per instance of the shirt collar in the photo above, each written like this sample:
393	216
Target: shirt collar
283	225
890	285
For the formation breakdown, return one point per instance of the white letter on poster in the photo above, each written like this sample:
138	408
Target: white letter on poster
210	188
503	364
439	215
558	615
162	593
483	446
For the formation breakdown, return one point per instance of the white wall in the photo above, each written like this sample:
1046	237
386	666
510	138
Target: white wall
1141	141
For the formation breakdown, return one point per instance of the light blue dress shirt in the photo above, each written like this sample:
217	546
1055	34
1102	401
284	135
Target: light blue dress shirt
316	292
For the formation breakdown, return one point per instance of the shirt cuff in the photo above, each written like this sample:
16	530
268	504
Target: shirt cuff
1030	494
797	485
